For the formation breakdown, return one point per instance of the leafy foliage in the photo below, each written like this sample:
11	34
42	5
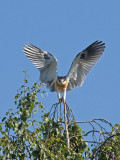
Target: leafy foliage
23	136
110	148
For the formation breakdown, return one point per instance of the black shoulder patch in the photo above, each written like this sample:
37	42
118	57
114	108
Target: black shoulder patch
46	56
83	55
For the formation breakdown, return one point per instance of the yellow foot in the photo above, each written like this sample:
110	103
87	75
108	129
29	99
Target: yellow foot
61	100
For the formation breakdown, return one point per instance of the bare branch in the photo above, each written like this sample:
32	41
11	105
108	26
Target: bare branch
84	134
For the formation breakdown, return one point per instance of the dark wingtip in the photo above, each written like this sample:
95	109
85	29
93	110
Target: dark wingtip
98	43
101	43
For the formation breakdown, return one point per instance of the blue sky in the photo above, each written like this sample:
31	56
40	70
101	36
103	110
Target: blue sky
64	28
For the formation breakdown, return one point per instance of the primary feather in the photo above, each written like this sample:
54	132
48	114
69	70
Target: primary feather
83	63
45	62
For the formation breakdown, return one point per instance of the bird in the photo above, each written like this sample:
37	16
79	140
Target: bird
80	67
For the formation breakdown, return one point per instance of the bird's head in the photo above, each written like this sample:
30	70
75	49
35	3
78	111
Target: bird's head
61	80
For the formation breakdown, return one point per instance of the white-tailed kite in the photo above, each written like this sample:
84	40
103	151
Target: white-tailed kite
47	65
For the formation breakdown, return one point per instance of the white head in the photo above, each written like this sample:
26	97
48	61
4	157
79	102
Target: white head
61	80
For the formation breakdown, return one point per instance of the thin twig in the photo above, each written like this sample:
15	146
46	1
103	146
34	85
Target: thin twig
84	134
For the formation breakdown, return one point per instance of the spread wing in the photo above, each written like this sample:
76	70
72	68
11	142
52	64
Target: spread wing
83	63
45	62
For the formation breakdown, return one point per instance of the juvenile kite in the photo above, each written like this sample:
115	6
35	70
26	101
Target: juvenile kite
47	65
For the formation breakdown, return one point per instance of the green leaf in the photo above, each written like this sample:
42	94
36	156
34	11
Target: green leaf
3	119
2	132
46	119
15	102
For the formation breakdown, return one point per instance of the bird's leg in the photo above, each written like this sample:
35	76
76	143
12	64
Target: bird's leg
59	97
64	96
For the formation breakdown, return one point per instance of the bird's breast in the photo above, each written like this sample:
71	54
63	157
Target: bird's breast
61	87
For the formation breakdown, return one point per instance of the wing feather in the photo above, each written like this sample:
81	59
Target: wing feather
45	62
83	63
